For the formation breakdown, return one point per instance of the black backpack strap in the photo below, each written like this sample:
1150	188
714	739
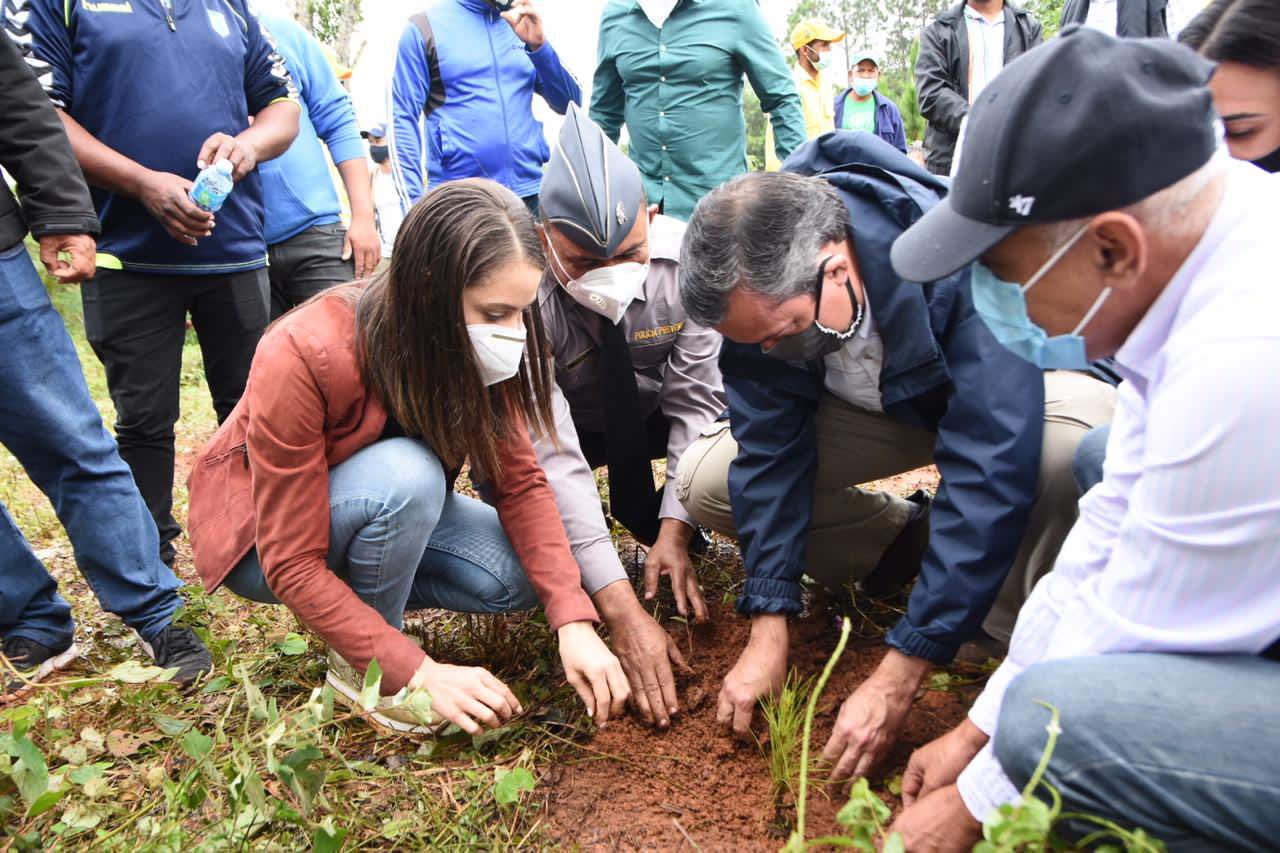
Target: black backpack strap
435	93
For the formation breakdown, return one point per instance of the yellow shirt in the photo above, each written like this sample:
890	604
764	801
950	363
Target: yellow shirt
817	102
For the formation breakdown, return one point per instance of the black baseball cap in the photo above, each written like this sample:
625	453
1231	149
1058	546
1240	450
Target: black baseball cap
1083	124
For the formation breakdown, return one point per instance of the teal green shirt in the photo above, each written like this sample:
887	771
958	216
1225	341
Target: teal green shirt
679	91
860	115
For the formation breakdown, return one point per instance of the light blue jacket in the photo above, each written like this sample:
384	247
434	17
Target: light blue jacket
297	186
462	101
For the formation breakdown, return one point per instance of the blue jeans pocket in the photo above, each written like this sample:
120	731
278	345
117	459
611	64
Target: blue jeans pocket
21	289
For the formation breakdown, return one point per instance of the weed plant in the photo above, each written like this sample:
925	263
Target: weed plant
784	715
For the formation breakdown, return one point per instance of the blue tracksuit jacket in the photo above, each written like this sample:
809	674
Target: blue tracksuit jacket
462	101
297	185
943	371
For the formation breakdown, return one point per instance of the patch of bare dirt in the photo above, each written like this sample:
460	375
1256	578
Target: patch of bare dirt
634	788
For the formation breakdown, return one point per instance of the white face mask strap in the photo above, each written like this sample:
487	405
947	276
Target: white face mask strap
556	256
1097	306
1055	257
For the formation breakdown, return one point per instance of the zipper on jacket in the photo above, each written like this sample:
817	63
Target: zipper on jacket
502	98
167	6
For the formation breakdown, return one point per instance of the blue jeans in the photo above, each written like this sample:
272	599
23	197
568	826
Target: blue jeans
1183	746
1090	454
402	540
50	423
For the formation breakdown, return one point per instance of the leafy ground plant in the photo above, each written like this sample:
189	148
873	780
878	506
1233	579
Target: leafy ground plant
865	816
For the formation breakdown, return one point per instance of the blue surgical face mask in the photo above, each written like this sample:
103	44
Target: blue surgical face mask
1003	307
864	86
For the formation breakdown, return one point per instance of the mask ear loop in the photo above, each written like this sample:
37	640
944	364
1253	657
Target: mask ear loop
1089	315
853	300
1055	257
556	256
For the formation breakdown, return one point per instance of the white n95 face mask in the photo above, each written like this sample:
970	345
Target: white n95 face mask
608	291
498	351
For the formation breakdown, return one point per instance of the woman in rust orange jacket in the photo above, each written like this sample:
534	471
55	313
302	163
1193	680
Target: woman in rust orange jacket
330	486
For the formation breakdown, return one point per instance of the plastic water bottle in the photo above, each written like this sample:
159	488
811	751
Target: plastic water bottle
212	186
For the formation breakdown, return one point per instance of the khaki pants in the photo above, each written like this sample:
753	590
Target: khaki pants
851	527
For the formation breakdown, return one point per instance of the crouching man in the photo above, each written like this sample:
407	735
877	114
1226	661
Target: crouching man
639	382
838	373
1156	633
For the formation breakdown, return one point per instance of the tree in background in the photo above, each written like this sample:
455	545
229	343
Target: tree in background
891	28
1048	13
332	22
756	123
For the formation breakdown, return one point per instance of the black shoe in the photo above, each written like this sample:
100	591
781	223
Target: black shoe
900	563
28	662
180	648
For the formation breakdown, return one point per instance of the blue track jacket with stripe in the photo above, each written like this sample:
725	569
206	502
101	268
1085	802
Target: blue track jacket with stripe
462	101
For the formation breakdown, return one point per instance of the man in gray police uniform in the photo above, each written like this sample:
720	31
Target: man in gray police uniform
637	382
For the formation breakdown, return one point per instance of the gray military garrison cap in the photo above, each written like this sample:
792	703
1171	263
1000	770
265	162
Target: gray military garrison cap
591	191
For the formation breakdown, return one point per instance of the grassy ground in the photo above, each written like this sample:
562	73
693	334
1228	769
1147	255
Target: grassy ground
258	757
108	758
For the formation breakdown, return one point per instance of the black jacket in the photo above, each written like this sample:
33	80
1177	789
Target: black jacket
942	75
1134	18
34	149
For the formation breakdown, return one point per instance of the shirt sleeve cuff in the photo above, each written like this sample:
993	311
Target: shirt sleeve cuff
986	710
909	640
769	595
345	148
984	787
543	55
576	607
671	506
599	565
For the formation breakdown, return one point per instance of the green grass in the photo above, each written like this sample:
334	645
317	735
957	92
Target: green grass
244	763
784	717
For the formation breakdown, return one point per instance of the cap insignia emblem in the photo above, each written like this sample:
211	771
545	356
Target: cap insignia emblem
621	213
1022	204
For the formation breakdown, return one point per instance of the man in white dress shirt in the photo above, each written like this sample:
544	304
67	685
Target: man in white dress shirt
1156	635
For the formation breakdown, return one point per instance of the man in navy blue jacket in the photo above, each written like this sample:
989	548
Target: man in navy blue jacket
149	94
462	97
838	373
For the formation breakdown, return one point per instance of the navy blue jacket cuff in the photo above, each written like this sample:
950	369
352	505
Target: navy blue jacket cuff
769	595
908	639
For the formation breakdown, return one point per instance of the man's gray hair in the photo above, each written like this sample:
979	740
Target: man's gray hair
1168	212
760	231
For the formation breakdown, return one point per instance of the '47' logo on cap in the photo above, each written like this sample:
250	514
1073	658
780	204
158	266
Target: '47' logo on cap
1021	204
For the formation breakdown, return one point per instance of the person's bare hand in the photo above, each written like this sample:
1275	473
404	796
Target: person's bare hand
938	823
223	146
871	719
669	555
167	198
648	656
470	697
526	22
69	258
362	242
939	762
759	672
593	671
